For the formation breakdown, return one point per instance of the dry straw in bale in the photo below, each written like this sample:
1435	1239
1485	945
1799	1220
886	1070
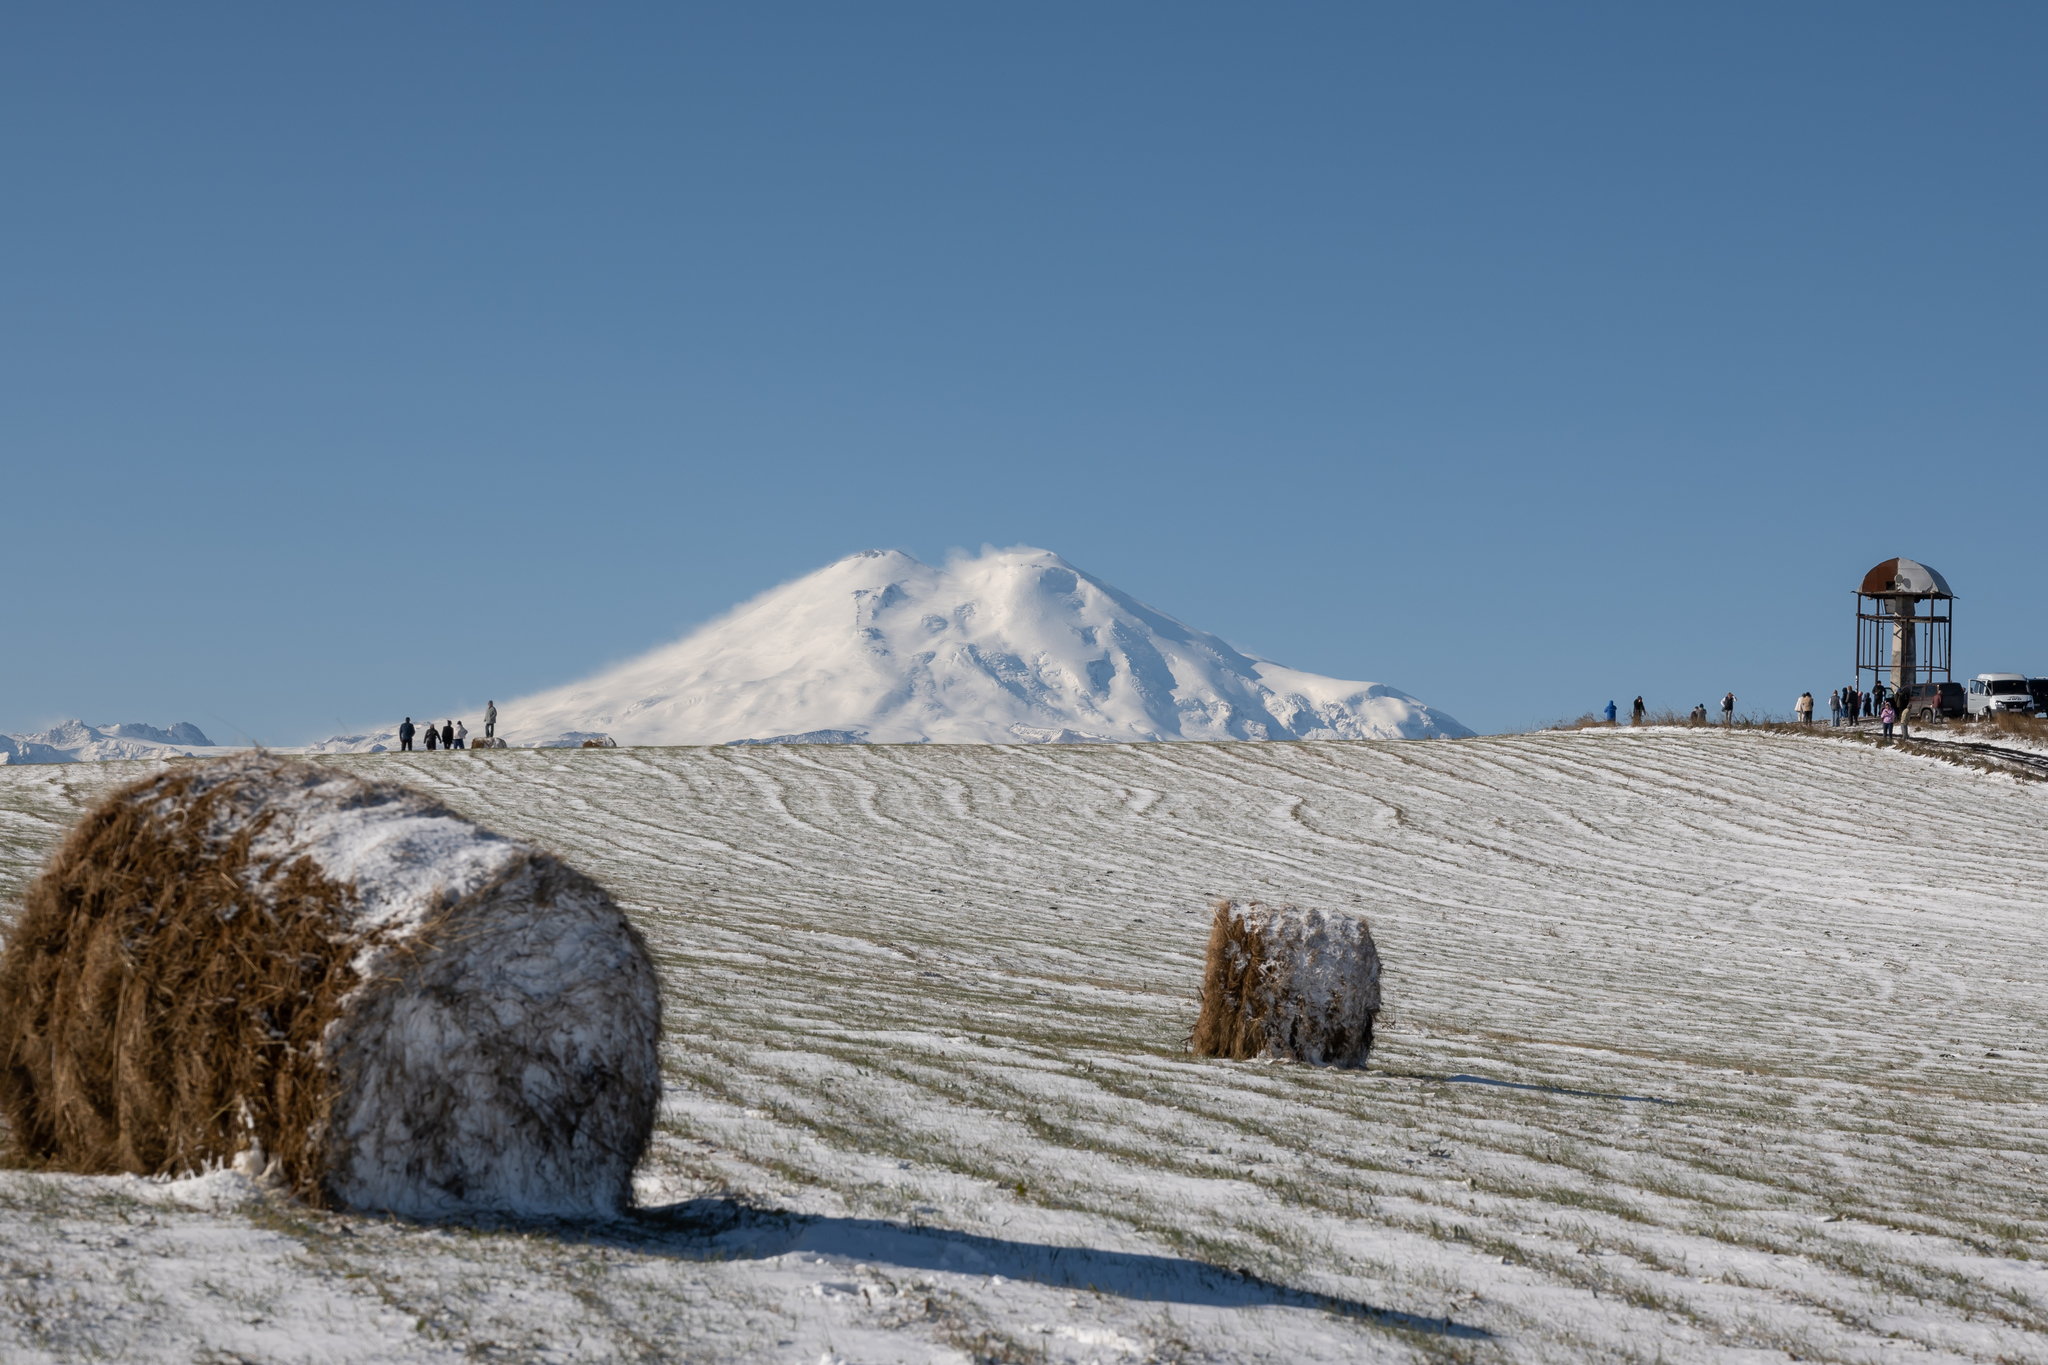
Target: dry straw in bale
387	1006
1288	983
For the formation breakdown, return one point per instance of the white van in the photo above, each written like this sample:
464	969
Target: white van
1999	692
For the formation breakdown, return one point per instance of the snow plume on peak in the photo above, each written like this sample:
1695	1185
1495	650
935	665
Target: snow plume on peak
1008	647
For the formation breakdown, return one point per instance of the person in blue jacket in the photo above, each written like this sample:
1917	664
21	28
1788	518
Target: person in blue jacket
1610	713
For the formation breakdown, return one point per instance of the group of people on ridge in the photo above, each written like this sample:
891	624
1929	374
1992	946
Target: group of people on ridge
1698	714
1847	704
1638	714
1635	716
451	734
1844	706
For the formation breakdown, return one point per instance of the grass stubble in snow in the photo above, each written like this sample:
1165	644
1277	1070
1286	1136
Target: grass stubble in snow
1697	1045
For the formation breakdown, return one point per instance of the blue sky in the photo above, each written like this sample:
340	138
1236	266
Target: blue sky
371	362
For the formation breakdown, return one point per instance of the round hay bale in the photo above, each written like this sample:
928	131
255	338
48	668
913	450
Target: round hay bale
341	983
1288	983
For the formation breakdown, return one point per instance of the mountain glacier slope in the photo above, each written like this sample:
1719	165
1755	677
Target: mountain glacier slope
1012	646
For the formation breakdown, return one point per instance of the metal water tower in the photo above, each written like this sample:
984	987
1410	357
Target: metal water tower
1898	642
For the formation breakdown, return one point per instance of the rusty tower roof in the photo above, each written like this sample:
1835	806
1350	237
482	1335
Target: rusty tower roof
1904	578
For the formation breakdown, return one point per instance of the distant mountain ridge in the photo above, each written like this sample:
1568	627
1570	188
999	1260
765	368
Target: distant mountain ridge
1012	646
76	742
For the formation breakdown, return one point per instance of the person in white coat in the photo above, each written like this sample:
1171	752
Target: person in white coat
1804	706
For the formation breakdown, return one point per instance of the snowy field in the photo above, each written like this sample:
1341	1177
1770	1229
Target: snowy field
1699	1047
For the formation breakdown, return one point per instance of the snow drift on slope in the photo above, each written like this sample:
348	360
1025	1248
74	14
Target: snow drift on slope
76	742
1015	646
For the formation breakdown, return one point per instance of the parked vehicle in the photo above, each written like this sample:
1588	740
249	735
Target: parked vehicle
1930	699
2000	692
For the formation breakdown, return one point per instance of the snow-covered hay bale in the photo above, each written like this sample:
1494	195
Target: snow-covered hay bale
404	1011
1285	982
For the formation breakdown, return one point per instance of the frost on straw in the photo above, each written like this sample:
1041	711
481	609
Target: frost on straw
1288	983
403	1011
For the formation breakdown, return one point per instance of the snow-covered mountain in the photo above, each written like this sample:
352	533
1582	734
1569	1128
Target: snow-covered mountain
1014	646
76	742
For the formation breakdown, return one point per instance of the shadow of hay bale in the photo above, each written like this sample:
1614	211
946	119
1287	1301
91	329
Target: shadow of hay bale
339	985
726	1229
1288	983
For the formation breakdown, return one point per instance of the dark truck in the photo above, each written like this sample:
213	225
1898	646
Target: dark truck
1931	699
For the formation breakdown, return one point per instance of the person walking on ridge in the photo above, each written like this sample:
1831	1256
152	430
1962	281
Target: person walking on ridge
1610	713
1804	708
490	720
461	735
405	736
433	736
447	734
1635	715
1886	717
1834	709
1728	711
